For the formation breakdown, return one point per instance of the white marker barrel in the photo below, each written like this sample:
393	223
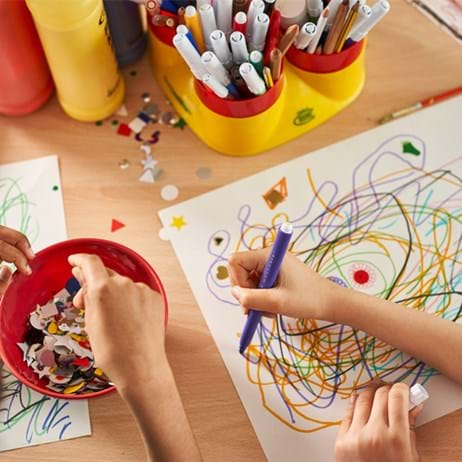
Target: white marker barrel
239	47
218	88
254	82
208	23
221	48
260	29
190	55
306	34
215	67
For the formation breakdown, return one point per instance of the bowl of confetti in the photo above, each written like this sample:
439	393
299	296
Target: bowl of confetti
43	341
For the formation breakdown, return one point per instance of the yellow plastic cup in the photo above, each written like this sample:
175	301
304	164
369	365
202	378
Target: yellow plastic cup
77	43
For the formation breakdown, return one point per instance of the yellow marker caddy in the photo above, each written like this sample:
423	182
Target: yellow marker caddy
302	99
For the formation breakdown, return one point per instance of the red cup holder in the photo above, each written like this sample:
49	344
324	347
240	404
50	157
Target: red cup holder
163	33
323	64
239	108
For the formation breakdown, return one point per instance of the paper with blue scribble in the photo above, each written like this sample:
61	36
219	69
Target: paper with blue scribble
31	202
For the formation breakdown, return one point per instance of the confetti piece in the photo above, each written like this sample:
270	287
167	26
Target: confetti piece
124	164
203	173
218	241
137	124
169	192
115	122
116	225
146	97
55	188
169	118
56	356
122	111
409	148
124	130
148	176
222	273
146	148
276	194
180	124
178	222
98	123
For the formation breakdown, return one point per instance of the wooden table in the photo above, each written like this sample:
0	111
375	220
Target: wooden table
408	58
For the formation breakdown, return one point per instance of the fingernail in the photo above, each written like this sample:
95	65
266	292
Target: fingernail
30	252
236	292
28	270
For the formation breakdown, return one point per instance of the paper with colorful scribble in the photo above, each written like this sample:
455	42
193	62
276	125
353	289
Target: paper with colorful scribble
381	213
31	202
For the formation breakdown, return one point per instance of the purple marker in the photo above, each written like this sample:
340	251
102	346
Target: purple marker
267	280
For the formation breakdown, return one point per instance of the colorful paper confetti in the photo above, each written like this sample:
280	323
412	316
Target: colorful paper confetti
116	225
57	348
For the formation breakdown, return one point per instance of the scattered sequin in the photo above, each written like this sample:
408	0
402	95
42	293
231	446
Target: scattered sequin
169	192
124	164
169	118
203	173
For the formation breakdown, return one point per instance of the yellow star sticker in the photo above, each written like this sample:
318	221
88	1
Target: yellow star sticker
178	222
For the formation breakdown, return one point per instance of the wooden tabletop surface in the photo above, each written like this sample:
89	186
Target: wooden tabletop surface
408	58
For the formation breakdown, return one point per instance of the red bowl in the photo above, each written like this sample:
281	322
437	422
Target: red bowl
50	271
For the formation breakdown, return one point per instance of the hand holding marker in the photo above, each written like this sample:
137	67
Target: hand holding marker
233	30
267	280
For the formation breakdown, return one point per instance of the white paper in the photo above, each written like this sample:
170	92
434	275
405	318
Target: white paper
395	233
31	201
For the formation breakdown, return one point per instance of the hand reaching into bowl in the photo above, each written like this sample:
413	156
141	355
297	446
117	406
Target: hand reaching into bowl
14	248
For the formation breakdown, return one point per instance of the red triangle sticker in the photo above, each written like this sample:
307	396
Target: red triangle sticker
116	225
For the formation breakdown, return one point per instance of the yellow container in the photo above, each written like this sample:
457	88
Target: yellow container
305	99
75	37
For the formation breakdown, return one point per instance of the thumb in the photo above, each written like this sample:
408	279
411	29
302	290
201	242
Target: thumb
268	300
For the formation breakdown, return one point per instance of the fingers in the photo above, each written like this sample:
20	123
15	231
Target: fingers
363	407
414	414
5	276
270	300
18	240
398	405
11	254
348	417
379	411
242	267
91	267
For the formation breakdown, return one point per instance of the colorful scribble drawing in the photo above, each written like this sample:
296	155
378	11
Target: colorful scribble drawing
397	234
15	208
38	415
20	407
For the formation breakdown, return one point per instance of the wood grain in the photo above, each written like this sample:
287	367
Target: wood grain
408	58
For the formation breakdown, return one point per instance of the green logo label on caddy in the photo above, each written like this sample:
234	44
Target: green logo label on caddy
304	116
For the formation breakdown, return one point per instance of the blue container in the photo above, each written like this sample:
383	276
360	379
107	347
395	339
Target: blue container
127	32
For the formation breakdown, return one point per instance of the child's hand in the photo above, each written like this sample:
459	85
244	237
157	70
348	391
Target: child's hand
378	427
14	248
299	293
124	321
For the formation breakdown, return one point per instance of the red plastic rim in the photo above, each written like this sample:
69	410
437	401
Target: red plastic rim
163	33
239	108
50	271
322	64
